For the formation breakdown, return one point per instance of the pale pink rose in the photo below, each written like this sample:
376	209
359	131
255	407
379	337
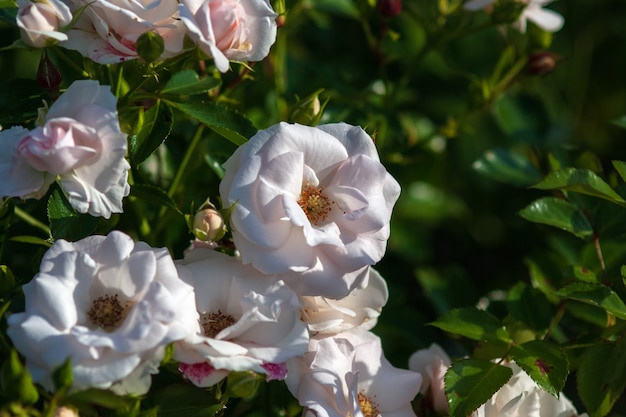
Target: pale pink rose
432	364
108	30
248	320
39	22
522	397
360	308
348	375
534	11
230	30
80	144
312	201
108	304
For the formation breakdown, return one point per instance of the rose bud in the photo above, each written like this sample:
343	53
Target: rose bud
150	46
39	22
208	225
48	75
541	63
389	8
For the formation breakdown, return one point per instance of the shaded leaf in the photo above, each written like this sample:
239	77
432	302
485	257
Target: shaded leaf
225	121
558	213
601	377
156	127
65	222
186	82
529	305
508	167
154	195
472	323
595	294
621	122
17	384
186	400
470	383
620	167
545	362
581	181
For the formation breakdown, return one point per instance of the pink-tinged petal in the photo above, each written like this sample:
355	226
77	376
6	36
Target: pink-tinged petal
275	371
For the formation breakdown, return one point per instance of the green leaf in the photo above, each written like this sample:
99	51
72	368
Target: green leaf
581	181
156	127
620	167
545	362
223	120
65	222
186	400
595	294
243	384
186	82
63	376
7	280
470	383
583	274
472	323
621	122
530	306
601	376
507	167
17	384
558	213
154	195
102	398
33	240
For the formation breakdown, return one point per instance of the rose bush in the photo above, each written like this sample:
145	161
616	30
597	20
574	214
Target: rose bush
311	200
79	144
107	304
230	30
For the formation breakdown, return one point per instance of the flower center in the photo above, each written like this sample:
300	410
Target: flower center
315	204
107	312
213	323
369	407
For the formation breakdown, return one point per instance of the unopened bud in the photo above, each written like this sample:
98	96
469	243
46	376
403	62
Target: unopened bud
541	63
48	75
208	225
150	46
389	8
308	111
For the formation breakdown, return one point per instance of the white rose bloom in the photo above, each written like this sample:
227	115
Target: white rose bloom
39	21
360	308
347	375
108	30
238	30
107	304
311	200
248	320
432	364
522	397
80	144
546	19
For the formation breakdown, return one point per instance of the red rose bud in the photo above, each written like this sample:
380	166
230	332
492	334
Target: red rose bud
48	75
389	8
541	63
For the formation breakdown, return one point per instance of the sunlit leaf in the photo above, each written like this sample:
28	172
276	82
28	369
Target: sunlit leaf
595	294
470	383
187	82
620	167
558	213
223	120
156	127
472	323
545	362
581	181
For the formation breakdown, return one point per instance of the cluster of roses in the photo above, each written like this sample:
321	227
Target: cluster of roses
107	31
309	213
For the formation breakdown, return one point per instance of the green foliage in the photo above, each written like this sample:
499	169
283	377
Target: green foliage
470	382
558	213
